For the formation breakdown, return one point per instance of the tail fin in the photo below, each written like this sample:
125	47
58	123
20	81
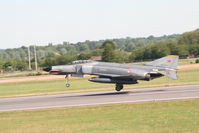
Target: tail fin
169	65
170	61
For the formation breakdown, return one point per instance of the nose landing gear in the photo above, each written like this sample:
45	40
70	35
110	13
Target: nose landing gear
119	87
67	81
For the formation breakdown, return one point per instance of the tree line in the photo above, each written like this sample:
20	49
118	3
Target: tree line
115	50
187	45
123	44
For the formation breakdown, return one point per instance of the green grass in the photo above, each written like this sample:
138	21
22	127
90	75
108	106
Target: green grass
19	74
189	76
148	117
187	61
47	87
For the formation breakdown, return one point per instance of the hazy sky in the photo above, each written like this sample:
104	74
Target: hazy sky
28	22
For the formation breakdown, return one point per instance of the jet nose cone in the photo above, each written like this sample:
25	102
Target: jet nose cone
47	69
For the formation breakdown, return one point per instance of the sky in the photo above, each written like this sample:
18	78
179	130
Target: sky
39	22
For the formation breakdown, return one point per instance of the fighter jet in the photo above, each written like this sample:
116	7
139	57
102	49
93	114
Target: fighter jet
118	74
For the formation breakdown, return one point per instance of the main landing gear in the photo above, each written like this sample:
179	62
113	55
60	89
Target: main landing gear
67	81
118	87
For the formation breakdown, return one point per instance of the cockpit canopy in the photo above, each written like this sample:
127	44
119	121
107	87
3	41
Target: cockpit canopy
81	61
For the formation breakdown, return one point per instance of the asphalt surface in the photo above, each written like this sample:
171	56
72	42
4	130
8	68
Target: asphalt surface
99	97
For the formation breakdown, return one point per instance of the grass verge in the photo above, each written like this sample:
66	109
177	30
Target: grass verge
149	117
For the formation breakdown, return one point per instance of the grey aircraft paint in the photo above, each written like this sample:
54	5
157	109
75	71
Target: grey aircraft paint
116	73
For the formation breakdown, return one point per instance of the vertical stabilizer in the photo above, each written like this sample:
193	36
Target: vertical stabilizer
170	61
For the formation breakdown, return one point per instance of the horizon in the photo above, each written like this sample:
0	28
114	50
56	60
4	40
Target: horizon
35	22
87	40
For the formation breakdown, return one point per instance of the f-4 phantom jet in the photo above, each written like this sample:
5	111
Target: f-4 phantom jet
118	74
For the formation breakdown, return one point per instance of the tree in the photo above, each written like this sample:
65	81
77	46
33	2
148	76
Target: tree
108	54
137	54
193	49
8	65
21	65
183	50
97	52
83	47
64	59
189	37
63	51
174	49
121	56
84	56
160	50
1	64
49	61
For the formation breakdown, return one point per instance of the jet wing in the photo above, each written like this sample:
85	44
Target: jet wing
114	75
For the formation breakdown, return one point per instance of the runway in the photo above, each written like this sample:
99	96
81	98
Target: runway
99	97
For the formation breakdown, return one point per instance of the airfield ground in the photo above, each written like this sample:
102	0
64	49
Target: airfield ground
149	117
57	85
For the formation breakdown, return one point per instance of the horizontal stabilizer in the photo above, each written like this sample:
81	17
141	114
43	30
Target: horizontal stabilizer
171	73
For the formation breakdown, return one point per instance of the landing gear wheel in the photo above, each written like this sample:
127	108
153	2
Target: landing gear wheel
119	87
67	85
67	81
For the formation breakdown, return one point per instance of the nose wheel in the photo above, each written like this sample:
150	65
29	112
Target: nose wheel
119	87
67	81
